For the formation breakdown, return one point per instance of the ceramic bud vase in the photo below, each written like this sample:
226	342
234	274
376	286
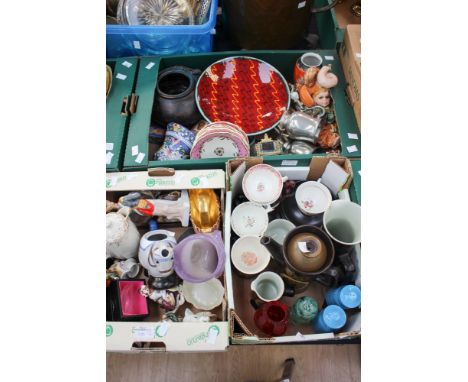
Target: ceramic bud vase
304	310
177	143
175	96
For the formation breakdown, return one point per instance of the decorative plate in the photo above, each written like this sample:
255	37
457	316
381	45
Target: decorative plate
262	184
219	144
313	198
245	91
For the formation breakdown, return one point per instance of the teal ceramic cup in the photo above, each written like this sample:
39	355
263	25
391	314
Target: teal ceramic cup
304	310
346	297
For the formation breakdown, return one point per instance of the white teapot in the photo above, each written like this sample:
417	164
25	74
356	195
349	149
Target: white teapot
122	236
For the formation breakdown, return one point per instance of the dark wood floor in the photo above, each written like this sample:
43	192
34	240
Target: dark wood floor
314	363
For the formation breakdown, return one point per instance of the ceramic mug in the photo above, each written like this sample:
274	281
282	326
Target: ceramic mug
122	236
329	320
342	222
278	229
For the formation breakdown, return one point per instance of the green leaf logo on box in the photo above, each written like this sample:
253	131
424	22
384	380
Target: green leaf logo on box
195	181
150	182
108	183
109	330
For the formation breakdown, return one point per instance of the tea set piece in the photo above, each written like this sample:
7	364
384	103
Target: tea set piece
205	296
306	250
289	210
177	143
269	286
304	310
200	257
220	140
244	81
330	319
156	255
301	126
262	184
122	236
346	296
249	219
313	198
248	256
278	230
205	210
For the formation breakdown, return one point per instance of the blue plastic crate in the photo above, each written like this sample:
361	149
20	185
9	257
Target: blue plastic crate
141	40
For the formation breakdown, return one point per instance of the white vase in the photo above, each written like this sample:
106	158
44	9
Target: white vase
122	236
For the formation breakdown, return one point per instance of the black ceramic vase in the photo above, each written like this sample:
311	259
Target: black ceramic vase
175	97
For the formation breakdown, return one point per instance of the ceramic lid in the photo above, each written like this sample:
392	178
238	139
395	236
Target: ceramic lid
245	91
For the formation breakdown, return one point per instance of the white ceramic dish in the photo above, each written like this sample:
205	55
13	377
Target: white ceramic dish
278	229
249	219
249	256
262	184
206	296
313	198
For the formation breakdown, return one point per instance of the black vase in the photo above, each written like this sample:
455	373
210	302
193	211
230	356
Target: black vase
175	97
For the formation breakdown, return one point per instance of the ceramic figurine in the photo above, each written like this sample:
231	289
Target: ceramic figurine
169	300
177	143
329	137
304	310
179	209
314	87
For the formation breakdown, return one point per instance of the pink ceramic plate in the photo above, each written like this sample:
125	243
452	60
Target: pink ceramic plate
219	144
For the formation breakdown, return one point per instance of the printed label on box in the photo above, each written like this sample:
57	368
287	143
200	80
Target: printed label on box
109	146
121	76
150	65
109	156
301	4
352	149
352	136
143	333
329	58
289	163
140	157
127	64
135	150
136	44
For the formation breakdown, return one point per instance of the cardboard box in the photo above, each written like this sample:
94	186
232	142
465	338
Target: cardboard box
332	24
242	327
118	105
139	153
350	56
150	335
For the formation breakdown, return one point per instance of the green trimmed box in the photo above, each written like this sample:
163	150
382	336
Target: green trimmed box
118	105
355	189
332	24
283	60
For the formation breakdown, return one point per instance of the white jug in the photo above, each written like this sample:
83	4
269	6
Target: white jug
122	236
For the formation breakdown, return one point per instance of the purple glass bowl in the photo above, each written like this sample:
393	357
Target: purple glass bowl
200	257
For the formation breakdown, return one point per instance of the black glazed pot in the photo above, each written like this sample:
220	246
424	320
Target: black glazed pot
289	210
175	96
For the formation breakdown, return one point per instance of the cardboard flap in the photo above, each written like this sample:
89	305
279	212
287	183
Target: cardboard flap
318	164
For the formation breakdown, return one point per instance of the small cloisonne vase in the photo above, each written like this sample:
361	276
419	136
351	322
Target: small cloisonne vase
304	310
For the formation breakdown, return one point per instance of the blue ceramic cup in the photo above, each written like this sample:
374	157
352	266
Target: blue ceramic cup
331	319
346	297
177	143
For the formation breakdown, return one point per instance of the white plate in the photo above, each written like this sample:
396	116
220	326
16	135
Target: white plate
249	219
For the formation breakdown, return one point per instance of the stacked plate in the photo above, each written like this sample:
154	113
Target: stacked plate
220	140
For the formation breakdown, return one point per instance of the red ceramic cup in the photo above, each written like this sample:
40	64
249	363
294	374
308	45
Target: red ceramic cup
272	318
306	61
